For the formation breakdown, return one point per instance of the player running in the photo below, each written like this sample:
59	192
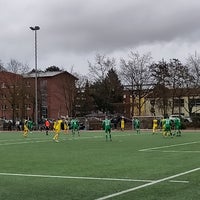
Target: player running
57	129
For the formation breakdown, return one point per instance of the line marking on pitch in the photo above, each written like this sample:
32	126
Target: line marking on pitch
85	178
168	146
147	184
75	177
173	151
24	142
32	140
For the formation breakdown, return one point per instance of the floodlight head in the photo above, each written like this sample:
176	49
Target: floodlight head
35	28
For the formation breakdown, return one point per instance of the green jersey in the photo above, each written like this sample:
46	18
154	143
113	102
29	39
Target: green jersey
177	123
74	124
136	123
167	124
107	125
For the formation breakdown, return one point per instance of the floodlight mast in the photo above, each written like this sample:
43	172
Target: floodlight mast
35	29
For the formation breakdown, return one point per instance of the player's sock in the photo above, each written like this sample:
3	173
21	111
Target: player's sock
110	137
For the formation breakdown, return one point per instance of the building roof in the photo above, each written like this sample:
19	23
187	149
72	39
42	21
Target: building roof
4	73
2	69
46	74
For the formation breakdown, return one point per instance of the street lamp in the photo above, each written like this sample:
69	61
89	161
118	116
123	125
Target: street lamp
35	29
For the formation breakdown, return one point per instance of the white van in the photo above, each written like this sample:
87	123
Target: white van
185	119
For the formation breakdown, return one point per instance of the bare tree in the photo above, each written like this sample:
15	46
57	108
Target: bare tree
193	83
135	74
17	67
84	102
179	74
69	91
193	63
160	74
1	66
99	70
15	86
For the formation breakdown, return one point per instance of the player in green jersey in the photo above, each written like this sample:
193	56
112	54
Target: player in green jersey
74	126
107	127
137	125
167	127
177	126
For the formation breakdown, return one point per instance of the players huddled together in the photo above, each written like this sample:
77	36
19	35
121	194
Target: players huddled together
58	125
166	126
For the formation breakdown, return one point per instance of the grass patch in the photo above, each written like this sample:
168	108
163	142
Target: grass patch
87	167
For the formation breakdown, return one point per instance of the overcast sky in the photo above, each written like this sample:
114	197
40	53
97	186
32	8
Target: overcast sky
72	32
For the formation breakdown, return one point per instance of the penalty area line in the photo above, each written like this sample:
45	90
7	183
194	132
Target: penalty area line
147	184
75	177
168	146
85	178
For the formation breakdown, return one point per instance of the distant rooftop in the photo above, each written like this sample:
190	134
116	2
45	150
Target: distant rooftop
45	74
2	69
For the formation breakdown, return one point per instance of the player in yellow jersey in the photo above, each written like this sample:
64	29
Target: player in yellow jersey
66	126
163	126
57	129
155	125
122	124
25	133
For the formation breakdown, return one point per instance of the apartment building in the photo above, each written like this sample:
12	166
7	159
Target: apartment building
55	91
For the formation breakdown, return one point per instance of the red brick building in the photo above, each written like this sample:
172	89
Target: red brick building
10	90
56	92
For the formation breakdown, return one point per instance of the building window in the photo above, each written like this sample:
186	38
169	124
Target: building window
27	96
194	102
3	96
27	106
3	85
28	84
17	106
179	102
4	107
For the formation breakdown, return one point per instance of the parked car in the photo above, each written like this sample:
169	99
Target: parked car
182	117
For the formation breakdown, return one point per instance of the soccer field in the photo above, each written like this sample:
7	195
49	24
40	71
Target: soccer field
143	166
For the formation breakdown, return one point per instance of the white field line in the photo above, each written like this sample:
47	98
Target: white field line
173	151
75	177
85	178
147	184
168	146
22	139
174	181
23	142
32	140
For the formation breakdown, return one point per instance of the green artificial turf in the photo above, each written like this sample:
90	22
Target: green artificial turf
88	167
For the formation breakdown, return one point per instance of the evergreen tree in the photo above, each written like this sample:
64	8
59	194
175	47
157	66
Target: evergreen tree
108	93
